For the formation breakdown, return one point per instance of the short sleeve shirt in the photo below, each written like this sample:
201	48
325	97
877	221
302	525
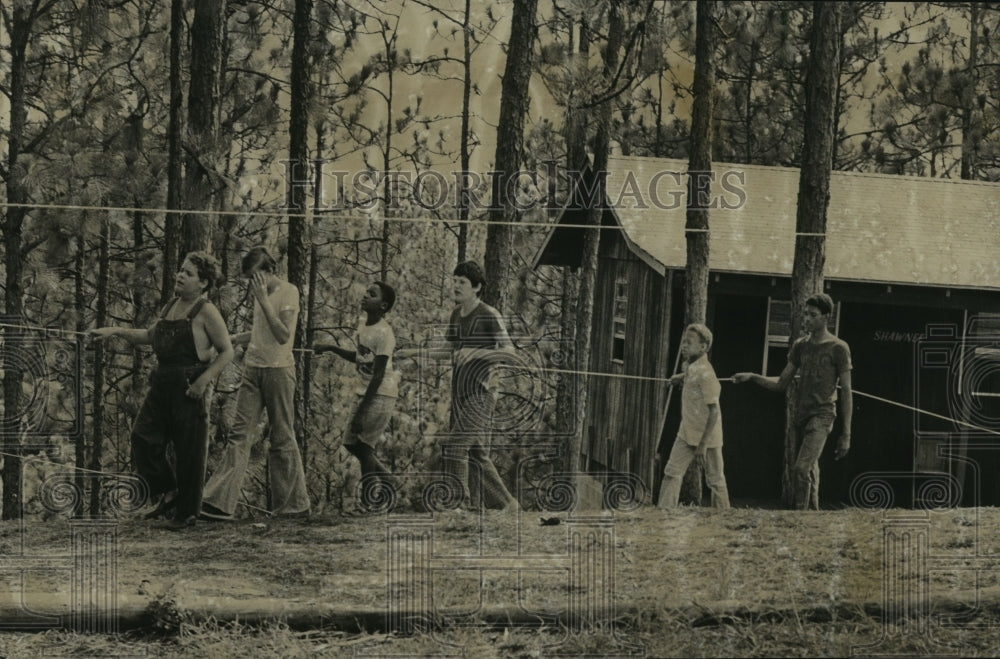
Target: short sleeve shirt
482	328
264	351
701	389
819	367
373	341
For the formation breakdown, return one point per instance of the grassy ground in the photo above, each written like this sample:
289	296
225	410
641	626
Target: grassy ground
695	582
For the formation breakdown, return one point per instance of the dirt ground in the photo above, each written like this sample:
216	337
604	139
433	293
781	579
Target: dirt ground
693	582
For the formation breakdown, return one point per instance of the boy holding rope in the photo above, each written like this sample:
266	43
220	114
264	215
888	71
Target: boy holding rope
822	361
378	389
701	423
476	340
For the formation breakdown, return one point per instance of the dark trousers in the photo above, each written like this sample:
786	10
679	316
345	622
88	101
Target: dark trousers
466	454
167	416
811	435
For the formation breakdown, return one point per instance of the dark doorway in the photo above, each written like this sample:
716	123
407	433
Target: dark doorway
889	349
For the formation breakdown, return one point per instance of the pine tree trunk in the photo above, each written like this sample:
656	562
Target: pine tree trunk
80	305
698	195
306	359
208	34
970	121
310	296
570	420
510	146
10	439
143	280
100	320
387	191
298	153
814	182
463	203
592	237
566	384
175	163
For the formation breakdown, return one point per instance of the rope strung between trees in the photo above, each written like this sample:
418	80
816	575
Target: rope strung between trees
911	408
46	330
66	466
624	376
343	216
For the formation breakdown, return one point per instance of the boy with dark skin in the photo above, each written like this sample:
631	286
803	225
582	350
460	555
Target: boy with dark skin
374	345
822	361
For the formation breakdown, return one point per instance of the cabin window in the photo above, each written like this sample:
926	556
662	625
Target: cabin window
980	367
618	320
779	328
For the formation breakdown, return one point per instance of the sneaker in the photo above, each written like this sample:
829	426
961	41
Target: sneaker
360	511
211	513
512	507
302	514
180	524
164	508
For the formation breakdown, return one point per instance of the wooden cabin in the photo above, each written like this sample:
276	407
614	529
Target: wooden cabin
914	266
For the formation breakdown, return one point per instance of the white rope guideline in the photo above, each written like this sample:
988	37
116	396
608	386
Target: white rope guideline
584	373
56	330
628	377
65	466
624	376
730	379
316	213
920	411
312	215
47	330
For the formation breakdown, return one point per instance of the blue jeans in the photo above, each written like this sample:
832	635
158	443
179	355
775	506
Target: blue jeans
469	441
272	389
811	435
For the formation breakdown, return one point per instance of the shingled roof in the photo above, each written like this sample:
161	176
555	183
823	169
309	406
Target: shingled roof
880	228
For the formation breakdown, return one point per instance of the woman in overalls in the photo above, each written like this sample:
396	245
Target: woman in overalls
192	347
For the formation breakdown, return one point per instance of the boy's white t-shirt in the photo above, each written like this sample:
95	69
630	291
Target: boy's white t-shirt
372	341
264	351
701	389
